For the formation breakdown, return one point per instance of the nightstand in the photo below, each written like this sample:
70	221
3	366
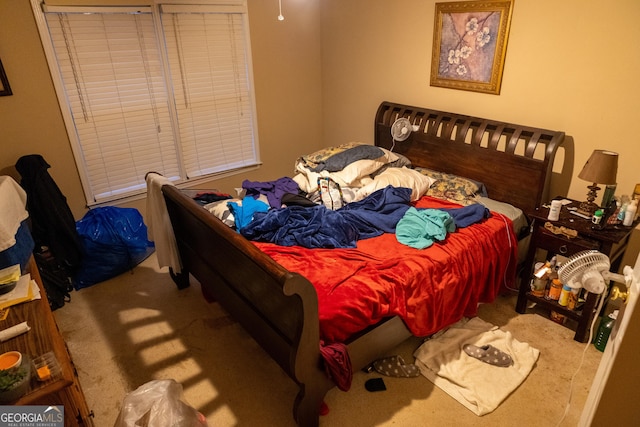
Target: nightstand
611	241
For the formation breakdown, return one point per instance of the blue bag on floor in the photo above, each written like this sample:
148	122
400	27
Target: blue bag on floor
115	240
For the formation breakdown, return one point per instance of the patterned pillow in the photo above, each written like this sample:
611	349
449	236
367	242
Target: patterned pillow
312	160
452	187
220	210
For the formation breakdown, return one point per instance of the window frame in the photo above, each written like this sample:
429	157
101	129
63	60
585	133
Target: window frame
155	7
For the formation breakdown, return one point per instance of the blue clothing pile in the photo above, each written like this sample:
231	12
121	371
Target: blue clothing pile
319	227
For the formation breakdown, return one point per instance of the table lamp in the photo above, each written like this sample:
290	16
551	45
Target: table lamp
601	168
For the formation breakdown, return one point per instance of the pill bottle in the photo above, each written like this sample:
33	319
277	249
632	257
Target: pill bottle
554	210
554	290
573	298
597	216
565	294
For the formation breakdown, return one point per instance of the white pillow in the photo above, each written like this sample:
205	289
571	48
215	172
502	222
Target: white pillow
398	177
350	176
357	170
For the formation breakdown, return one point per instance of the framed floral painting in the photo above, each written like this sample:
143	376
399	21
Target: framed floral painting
470	44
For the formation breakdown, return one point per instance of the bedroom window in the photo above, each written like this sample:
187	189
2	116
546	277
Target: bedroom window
163	88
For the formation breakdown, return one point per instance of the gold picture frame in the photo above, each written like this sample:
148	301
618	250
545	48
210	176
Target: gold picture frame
470	44
5	89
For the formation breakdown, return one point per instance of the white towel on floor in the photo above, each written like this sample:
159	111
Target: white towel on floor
13	202
159	228
479	386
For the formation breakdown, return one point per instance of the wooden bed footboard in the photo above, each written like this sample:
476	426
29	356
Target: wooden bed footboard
278	308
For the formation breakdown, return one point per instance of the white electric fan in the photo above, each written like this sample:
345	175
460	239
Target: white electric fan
400	130
590	270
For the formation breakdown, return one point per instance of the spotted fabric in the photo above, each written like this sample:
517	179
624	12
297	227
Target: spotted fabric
489	354
394	366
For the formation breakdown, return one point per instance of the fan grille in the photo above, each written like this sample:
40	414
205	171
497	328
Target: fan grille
580	262
401	129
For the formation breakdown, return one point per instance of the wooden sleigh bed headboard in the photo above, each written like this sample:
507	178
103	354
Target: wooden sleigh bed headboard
279	308
513	161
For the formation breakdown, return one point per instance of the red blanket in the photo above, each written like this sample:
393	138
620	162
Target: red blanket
429	289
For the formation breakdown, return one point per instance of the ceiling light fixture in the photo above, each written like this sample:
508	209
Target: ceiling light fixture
280	16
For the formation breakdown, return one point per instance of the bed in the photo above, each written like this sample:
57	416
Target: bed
279	307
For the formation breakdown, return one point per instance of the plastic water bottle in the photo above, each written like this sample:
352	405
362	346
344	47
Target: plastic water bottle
606	325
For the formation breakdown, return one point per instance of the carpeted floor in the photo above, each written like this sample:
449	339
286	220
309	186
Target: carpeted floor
138	327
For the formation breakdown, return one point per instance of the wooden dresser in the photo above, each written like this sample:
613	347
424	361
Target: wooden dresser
44	337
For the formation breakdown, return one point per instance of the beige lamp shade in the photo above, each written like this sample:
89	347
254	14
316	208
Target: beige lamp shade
601	168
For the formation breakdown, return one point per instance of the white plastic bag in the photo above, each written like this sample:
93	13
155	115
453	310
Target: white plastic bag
158	403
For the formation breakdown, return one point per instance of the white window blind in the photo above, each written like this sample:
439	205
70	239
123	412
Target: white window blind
208	65
175	98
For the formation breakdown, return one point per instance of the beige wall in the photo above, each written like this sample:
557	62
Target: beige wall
321	73
287	74
30	119
569	66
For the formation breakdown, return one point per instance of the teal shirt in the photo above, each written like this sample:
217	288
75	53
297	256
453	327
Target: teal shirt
420	228
243	214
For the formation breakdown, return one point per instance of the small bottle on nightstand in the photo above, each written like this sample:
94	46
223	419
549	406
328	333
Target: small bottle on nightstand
630	214
597	217
554	290
624	202
564	295
549	293
554	210
540	279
